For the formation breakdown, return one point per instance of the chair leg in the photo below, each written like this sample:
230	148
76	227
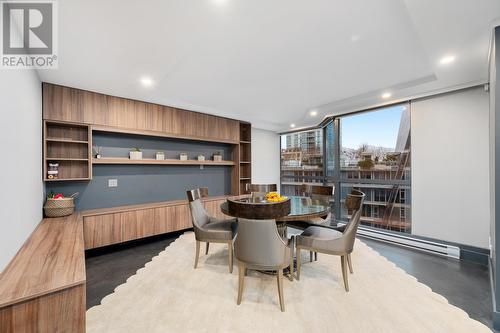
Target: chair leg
349	261
343	261
206	250
297	253
280	289
241	278
310	256
315	256
230	256
197	254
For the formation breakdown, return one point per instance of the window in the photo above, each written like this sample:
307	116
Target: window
376	144
301	160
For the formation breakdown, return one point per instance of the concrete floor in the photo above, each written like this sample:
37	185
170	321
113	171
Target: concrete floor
464	284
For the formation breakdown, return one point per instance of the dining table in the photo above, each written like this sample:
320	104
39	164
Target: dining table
294	208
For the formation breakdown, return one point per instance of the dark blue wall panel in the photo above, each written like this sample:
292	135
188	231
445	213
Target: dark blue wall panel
147	183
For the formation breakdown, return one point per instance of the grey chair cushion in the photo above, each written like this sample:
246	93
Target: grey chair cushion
218	230
322	239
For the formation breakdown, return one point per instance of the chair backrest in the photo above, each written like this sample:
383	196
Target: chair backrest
323	193
259	190
197	193
353	201
258	244
199	215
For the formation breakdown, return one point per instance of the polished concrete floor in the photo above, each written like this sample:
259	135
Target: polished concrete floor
464	284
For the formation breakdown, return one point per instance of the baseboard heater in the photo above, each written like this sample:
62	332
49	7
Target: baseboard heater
411	242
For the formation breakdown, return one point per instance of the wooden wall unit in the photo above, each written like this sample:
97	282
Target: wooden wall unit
69	145
245	157
81	106
108	226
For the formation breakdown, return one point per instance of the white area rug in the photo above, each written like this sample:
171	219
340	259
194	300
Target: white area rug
168	295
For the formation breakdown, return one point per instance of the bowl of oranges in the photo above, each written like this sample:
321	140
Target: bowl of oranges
275	197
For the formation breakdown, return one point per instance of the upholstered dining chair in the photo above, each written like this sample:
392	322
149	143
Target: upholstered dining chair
259	246
330	241
260	190
209	229
323	194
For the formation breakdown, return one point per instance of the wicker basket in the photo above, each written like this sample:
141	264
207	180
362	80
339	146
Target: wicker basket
59	207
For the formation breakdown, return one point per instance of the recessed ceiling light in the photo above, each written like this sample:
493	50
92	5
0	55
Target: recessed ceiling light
354	38
447	60
219	2
292	125
146	81
386	95
313	113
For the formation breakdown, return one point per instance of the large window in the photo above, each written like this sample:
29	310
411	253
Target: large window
375	158
369	151
301	160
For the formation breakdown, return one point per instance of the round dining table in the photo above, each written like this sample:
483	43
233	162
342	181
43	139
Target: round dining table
296	208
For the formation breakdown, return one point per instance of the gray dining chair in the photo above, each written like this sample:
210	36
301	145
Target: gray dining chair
259	246
333	242
209	229
260	190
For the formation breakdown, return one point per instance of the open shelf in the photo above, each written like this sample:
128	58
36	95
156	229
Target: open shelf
68	145
116	160
65	140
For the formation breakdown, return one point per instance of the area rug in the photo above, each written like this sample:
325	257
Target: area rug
168	295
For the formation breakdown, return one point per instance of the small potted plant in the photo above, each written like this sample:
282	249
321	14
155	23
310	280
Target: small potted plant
97	152
201	157
217	156
160	156
183	157
135	154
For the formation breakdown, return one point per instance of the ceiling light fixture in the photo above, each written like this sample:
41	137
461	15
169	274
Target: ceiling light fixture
219	2
313	113
292	125
447	60
386	95
147	82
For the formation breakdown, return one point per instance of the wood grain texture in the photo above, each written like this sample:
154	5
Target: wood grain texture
51	259
75	105
70	145
62	311
120	224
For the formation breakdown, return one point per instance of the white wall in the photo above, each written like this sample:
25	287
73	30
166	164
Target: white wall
450	167
265	157
21	196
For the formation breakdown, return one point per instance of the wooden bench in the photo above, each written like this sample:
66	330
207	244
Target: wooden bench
43	287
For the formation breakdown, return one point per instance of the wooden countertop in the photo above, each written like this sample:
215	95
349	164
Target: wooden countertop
51	259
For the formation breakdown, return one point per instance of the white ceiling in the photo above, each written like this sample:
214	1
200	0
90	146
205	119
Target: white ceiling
271	62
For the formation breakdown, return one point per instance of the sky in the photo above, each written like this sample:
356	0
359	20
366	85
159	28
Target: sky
377	128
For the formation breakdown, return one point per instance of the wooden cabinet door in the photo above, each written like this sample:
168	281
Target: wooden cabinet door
101	230
136	224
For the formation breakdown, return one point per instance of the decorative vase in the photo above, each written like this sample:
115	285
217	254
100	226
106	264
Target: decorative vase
135	155
183	157
160	156
201	158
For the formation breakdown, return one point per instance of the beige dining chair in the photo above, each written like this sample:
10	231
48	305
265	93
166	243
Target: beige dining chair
260	190
209	229
259	246
333	242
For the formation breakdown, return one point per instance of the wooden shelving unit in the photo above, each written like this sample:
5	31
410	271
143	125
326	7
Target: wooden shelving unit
158	162
69	145
245	157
